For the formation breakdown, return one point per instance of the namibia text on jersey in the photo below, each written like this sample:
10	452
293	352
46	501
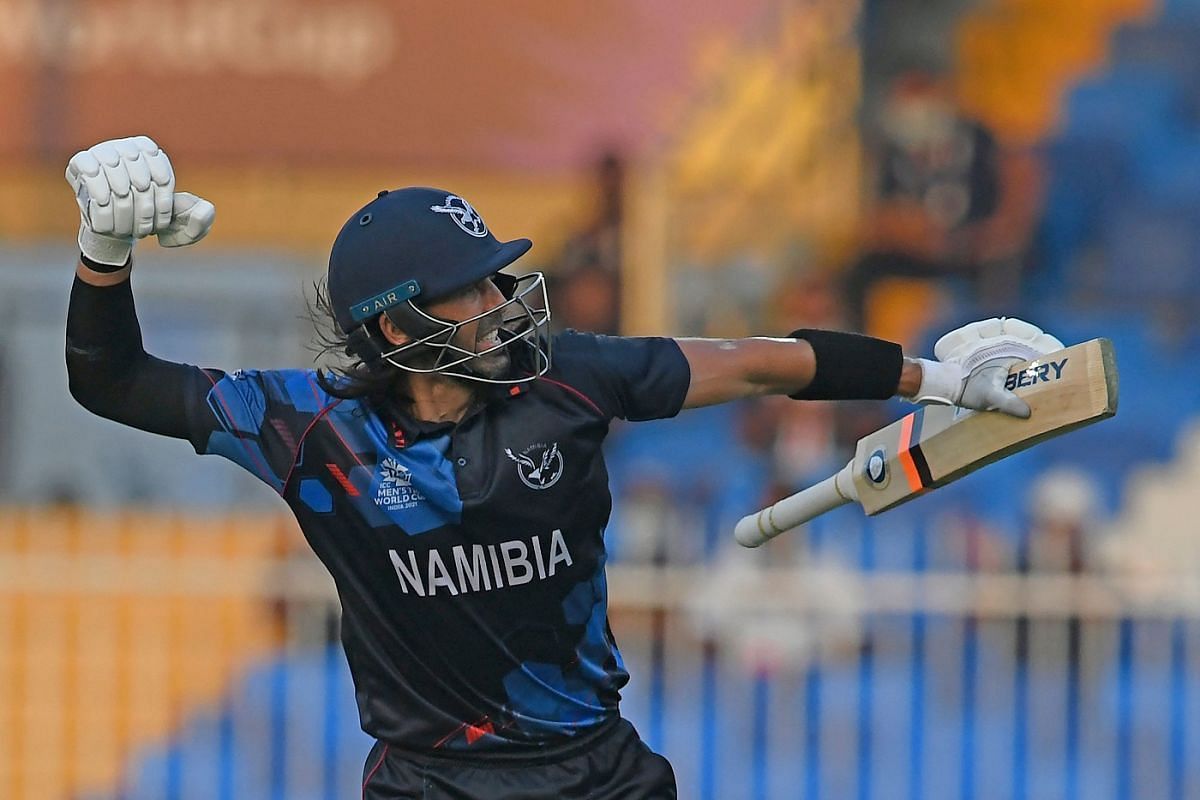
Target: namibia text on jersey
481	568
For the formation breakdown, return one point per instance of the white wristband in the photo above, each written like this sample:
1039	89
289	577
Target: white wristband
941	382
111	250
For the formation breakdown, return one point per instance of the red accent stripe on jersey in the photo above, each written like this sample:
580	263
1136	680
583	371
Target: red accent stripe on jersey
289	441
375	769
307	430
333	427
575	392
303	436
313	388
440	743
473	731
345	444
477	732
337	473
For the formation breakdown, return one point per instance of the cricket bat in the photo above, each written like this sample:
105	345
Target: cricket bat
935	445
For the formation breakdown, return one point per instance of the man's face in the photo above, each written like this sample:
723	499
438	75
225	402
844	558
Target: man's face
482	334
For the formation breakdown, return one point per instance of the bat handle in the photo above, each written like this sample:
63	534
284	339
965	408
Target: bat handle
834	491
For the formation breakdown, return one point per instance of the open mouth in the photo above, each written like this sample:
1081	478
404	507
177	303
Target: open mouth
490	340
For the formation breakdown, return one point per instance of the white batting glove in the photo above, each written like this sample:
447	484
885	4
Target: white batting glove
125	189
973	363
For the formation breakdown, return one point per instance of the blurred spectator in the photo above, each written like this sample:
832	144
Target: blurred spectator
756	610
804	299
970	542
659	523
587	286
949	201
1063	506
588	299
599	242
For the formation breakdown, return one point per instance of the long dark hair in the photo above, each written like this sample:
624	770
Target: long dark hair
349	376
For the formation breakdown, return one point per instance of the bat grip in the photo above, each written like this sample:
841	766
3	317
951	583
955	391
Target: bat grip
836	490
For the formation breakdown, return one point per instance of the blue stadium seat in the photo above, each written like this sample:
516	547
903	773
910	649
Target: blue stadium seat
1171	46
697	440
1179	11
1084	171
1152	252
1130	105
1169	173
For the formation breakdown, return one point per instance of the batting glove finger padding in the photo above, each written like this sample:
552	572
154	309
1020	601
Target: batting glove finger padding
163	177
999	337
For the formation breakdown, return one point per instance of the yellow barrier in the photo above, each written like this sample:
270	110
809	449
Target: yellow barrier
114	626
1017	57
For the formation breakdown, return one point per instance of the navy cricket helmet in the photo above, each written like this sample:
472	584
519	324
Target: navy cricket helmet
412	246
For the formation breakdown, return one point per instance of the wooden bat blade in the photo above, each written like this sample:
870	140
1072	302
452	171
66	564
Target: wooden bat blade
935	445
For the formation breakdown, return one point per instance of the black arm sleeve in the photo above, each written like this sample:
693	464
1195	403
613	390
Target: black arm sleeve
110	374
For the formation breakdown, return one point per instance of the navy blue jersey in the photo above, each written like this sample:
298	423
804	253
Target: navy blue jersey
469	558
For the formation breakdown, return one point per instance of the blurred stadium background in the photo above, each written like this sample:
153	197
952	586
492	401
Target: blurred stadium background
714	167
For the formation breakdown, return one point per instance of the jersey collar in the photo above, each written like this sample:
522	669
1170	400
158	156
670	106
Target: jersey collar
407	429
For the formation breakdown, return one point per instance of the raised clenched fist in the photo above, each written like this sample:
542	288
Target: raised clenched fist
125	189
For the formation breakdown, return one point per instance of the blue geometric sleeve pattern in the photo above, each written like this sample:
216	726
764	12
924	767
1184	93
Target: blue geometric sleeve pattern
260	418
634	378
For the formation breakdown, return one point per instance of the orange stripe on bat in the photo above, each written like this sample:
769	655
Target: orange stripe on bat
906	459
